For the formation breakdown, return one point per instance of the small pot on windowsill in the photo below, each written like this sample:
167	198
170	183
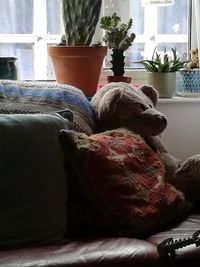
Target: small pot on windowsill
114	78
8	69
117	68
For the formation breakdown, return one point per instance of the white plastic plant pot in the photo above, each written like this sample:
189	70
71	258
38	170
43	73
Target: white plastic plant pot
164	83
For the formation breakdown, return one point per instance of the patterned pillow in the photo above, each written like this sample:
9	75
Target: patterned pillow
121	181
47	97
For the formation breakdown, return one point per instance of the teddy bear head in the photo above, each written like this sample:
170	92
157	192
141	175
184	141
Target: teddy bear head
194	62
121	105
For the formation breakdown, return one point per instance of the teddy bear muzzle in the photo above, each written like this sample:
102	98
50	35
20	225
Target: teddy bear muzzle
160	121
163	119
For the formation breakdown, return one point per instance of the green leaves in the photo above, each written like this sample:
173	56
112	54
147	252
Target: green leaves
163	64
116	35
80	18
109	22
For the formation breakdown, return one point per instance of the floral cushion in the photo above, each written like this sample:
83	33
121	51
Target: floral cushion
120	181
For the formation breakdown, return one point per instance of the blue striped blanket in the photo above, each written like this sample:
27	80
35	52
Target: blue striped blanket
47	97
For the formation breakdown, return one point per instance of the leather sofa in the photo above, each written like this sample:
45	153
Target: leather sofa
105	250
110	251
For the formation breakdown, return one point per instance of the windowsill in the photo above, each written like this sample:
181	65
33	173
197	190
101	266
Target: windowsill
180	99
138	76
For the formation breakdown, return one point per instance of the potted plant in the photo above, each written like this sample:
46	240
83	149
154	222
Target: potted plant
117	38
75	61
162	72
190	76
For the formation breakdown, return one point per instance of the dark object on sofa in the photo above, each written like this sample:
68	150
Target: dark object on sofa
56	250
169	246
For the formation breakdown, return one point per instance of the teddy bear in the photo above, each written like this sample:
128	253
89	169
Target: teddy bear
122	105
194	62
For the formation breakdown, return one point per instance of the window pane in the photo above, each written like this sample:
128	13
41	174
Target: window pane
172	19
161	26
136	54
24	54
181	49
154	25
54	17
137	14
16	16
50	70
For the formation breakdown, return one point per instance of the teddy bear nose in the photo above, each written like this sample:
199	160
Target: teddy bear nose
164	120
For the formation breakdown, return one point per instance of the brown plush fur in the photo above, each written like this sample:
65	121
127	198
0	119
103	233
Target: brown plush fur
121	105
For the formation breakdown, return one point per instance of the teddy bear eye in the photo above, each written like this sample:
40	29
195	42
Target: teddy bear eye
143	107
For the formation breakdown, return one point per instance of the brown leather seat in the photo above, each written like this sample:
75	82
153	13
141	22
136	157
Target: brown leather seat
122	252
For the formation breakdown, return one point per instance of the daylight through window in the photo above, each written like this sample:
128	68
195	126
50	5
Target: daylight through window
27	27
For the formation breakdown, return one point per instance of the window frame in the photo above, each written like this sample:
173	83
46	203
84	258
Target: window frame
138	75
40	40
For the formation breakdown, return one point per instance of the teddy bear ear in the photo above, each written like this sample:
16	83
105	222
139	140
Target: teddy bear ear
151	93
109	102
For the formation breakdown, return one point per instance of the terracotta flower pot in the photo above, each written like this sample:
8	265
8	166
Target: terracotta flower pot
79	66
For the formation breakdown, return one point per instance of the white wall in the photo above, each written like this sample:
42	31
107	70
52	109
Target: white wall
182	135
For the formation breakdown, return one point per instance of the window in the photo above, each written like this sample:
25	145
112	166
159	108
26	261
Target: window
156	25
27	27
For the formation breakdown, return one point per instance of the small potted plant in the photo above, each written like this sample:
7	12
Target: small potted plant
117	38
162	71
190	76
75	60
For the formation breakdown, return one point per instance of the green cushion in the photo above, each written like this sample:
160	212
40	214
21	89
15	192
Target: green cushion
33	188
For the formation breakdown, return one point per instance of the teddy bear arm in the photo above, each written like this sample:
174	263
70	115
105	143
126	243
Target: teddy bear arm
156	143
187	178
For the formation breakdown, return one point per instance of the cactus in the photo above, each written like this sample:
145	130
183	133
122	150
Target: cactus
117	38
118	62
80	18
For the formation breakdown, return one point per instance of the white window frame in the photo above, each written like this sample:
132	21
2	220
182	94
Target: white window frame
139	75
40	40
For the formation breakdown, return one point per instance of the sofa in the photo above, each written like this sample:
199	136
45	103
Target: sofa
39	227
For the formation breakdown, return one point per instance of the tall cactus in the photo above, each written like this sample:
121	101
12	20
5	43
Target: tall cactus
118	39
80	18
118	62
